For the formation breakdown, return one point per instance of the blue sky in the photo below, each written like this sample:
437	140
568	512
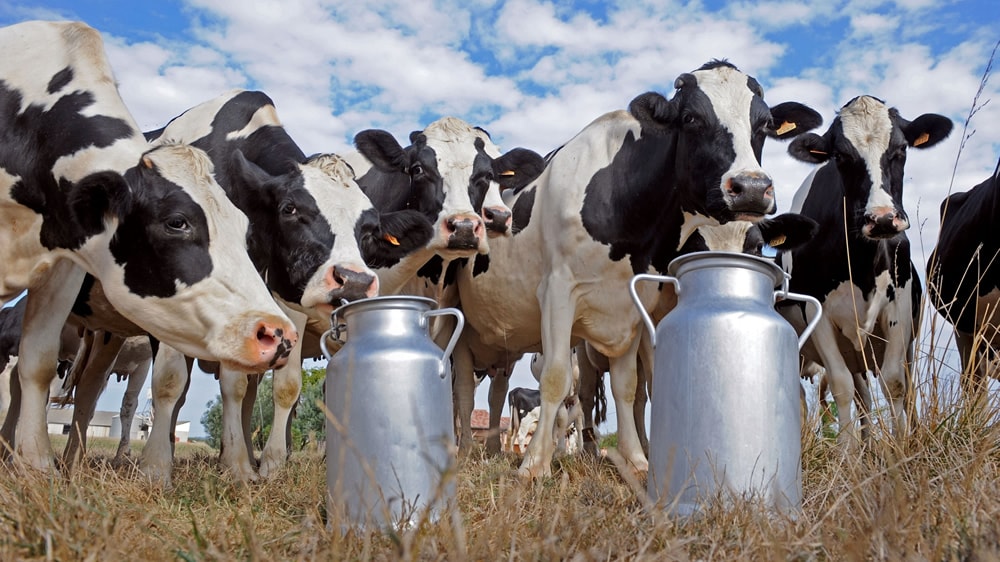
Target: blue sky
534	72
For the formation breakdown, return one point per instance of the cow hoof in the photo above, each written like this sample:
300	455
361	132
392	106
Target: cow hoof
242	473
269	466
157	475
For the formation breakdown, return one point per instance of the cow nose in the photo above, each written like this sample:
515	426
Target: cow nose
464	232
750	193
884	224
497	219
345	282
273	342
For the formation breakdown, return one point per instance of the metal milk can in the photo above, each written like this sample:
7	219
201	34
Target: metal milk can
389	444
725	415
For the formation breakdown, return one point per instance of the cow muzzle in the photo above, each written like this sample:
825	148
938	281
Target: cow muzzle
270	344
884	224
346	282
750	196
464	233
498	221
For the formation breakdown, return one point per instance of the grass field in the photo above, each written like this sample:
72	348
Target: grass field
932	496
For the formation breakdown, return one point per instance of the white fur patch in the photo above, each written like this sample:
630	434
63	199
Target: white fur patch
867	126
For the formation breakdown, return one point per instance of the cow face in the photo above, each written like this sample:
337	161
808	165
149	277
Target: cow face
452	173
312	256
720	120
177	262
867	143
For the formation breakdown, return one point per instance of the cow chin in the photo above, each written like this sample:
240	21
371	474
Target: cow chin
746	216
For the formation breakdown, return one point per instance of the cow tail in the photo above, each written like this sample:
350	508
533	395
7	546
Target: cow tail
600	402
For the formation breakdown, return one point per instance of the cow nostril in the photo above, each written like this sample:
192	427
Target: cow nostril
489	214
266	339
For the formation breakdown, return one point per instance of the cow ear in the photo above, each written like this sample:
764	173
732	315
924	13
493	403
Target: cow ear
653	107
927	130
810	148
97	196
252	175
517	168
398	234
791	119
382	150
788	231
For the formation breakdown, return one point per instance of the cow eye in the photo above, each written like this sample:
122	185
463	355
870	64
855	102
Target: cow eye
416	170
688	118
178	224
288	209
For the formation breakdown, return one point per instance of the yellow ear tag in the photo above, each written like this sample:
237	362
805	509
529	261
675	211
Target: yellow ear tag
508	173
778	240
147	162
924	137
391	239
785	127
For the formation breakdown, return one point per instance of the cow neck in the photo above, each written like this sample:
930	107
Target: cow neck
394	278
647	200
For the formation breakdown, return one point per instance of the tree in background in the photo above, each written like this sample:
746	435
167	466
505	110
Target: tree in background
309	421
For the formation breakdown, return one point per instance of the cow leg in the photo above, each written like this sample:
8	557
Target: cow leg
643	388
839	378
92	381
589	379
130	402
234	455
13	412
246	411
624	381
972	379
557	373
171	375
894	368
5	392
287	385
463	391
48	307
515	426
499	383
863	398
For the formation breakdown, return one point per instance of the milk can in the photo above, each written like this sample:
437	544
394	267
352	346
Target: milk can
389	444
725	415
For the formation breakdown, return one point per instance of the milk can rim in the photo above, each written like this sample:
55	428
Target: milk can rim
385	299
713	257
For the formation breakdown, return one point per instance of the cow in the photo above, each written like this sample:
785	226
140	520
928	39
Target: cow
859	266
620	198
81	191
101	355
312	231
963	281
521	401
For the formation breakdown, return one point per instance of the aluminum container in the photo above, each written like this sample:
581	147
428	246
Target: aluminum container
390	434
725	419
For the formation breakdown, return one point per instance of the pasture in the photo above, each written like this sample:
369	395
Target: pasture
932	496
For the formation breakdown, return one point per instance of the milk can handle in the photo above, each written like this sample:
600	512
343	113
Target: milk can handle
460	324
638	303
807	299
322	342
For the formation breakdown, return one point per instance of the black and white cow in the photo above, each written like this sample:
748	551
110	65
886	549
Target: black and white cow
863	275
451	172
312	230
82	191
620	198
520	401
964	280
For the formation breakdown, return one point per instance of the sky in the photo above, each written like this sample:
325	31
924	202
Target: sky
535	72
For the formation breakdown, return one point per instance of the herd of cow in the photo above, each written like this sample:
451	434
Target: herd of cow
217	238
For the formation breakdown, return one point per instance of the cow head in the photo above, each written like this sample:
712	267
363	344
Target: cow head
309	224
177	263
452	173
783	232
867	143
720	121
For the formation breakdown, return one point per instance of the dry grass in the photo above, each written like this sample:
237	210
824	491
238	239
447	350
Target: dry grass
933	496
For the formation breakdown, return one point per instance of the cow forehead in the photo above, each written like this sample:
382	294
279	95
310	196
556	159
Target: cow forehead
867	126
331	184
729	94
191	170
